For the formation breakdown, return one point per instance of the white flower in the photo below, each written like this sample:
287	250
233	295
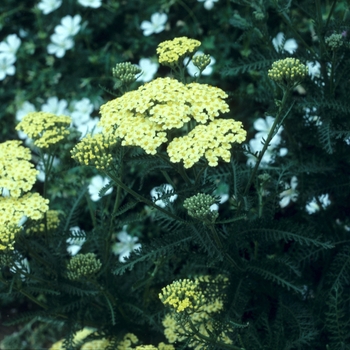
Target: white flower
75	244
6	65
55	106
149	69
21	265
90	3
90	127
314	69
10	46
96	184
208	4
59	45
69	26
126	245
82	111
315	204
263	126
47	6
25	108
290	45
194	71
156	25
290	193
160	191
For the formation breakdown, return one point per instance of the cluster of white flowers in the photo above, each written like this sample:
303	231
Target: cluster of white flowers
62	39
156	25
194	71
8	50
263	127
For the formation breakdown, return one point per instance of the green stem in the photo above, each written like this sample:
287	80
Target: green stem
330	14
143	199
267	142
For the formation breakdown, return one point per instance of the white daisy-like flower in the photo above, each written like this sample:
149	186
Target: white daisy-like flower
157	24
160	191
194	71
314	69
48	6
82	111
208	4
263	127
315	205
69	26
25	108
96	184
126	245
55	106
6	65
90	127
59	45
10	46
75	244
149	69
289	45
90	3
290	194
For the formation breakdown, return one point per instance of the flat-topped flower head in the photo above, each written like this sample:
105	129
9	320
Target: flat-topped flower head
18	175
288	72
213	141
172	51
46	129
198	206
141	117
83	265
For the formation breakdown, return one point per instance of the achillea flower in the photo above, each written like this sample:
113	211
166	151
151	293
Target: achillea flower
52	222
213	141
172	51
83	265
18	175
288	72
94	150
45	129
140	117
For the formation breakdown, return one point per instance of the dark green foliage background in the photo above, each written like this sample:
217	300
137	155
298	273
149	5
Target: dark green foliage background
289	286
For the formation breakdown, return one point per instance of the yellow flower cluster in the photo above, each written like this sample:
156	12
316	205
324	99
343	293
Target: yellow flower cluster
127	342
179	329
17	173
17	177
213	141
141	117
172	51
44	128
94	150
182	295
289	71
52	222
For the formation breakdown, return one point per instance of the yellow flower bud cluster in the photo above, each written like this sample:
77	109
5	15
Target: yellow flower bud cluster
179	328
182	295
46	129
126	72
17	173
201	61
213	141
52	222
172	51
94	150
288	72
83	265
16	178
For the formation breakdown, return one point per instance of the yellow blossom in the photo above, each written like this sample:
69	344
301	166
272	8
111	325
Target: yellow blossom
44	128
52	222
128	340
172	51
17	173
213	141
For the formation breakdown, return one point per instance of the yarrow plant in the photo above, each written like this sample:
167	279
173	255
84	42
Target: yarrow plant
154	192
